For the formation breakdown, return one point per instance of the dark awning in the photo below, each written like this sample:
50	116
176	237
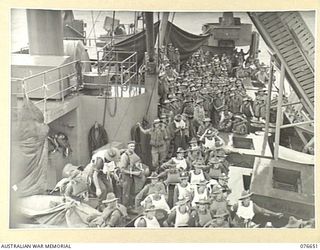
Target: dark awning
186	42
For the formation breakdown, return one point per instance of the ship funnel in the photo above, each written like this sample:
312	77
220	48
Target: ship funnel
227	19
45	31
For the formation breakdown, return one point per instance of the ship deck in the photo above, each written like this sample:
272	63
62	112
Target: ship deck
56	108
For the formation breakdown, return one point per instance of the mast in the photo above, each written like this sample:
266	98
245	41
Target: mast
162	28
151	78
150	35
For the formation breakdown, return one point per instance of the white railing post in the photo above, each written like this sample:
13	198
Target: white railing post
121	78
44	98
61	84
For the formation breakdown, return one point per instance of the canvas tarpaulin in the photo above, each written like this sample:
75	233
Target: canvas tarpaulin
186	42
51	210
29	155
136	43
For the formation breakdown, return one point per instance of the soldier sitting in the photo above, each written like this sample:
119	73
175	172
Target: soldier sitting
114	215
246	107
200	192
225	123
197	175
220	220
149	189
239	125
169	172
246	209
206	124
73	185
215	167
202	214
149	219
158	199
180	215
182	163
217	200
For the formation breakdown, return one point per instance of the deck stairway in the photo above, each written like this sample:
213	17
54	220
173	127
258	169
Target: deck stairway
290	39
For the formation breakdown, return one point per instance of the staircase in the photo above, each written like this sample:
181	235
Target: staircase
291	40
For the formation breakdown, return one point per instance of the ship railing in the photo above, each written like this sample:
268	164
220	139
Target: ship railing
88	41
45	93
123	72
107	56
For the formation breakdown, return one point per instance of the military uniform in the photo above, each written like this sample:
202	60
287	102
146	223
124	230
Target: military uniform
176	60
170	52
218	103
225	123
104	180
235	103
199	113
246	108
179	219
132	177
215	224
149	189
158	141
240	125
111	217
202	218
259	105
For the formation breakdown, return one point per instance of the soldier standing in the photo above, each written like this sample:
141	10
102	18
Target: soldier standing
176	59
158	142
131	173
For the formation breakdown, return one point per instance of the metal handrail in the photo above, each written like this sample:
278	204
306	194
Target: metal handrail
129	57
131	73
50	83
16	79
128	69
49	70
107	44
61	91
93	62
45	85
129	79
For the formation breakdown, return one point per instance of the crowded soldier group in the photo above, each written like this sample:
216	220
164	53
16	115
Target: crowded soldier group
187	184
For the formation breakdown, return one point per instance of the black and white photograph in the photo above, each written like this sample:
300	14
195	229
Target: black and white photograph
162	120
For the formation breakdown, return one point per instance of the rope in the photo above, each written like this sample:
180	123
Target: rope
116	92
115	107
124	116
104	113
106	106
153	87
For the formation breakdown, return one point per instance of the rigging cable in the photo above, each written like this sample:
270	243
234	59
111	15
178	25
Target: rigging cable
93	24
